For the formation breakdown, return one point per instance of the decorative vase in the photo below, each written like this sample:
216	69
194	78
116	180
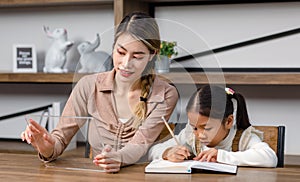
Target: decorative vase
162	65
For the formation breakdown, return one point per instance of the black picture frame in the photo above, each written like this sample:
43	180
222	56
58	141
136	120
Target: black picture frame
24	58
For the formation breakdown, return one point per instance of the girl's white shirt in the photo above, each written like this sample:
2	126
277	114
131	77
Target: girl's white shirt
252	151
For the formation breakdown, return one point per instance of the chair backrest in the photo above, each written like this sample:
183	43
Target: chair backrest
174	118
273	135
165	134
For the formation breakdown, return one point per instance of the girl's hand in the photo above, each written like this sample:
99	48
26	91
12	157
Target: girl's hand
176	154
39	138
108	159
209	155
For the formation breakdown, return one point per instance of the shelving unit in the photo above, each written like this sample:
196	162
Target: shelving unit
122	7
23	3
39	77
236	78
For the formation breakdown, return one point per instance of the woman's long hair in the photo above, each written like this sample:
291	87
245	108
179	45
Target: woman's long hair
145	29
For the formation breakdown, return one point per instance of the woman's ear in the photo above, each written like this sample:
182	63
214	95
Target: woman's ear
229	121
152	55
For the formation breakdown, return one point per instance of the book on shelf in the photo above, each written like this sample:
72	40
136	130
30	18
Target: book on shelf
189	166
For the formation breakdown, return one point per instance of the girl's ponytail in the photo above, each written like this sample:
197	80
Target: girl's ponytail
242	119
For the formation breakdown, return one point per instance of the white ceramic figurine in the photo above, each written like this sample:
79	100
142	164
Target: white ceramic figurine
56	55
93	61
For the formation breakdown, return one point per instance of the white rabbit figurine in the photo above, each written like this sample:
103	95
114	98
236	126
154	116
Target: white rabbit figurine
56	55
93	61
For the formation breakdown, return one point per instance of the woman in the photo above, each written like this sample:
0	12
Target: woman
126	103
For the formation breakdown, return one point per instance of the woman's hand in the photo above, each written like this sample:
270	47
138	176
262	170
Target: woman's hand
209	155
108	159
39	138
176	154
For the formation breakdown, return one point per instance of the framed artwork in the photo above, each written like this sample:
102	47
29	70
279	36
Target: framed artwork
24	58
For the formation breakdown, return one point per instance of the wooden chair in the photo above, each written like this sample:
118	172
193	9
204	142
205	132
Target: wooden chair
165	134
273	135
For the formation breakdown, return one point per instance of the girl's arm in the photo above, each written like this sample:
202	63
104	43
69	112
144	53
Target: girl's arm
157	150
256	154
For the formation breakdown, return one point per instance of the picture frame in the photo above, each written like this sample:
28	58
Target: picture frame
24	58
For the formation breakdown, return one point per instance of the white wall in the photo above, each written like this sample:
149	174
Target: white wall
212	26
204	27
16	98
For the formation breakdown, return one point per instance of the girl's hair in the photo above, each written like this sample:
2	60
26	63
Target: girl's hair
213	101
145	29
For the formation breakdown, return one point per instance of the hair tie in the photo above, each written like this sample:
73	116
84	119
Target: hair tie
229	91
143	99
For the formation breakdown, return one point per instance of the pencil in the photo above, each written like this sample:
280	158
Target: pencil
170	130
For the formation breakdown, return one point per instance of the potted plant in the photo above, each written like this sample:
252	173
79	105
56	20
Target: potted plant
167	50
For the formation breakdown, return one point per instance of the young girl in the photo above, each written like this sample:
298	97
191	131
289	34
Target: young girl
209	134
126	103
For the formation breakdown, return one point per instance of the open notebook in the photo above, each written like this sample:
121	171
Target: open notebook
189	166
